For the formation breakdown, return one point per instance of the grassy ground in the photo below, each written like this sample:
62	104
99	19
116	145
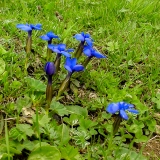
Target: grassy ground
127	32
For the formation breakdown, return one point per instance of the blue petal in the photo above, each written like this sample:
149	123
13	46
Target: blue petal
45	37
112	108
78	68
61	47
24	27
68	68
89	42
54	49
51	46
87	51
79	37
130	105
73	62
36	27
66	54
52	35
123	105
87	35
50	68
123	114
68	61
133	111
98	55
70	50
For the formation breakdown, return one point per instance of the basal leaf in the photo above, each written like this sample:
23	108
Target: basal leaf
45	153
35	84
77	110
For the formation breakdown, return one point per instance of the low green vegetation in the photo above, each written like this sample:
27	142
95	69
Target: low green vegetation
49	113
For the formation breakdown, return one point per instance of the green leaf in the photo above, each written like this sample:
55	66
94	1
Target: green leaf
126	154
2	50
58	108
1	123
74	89
35	84
64	134
43	121
69	152
23	102
16	84
16	134
141	139
45	153
77	110
72	120
2	66
87	123
151	124
112	46
25	128
157	100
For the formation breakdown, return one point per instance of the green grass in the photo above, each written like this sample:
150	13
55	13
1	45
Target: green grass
127	32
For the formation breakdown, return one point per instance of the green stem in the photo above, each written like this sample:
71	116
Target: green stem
116	124
86	61
49	93
79	50
37	125
29	44
49	53
64	85
57	62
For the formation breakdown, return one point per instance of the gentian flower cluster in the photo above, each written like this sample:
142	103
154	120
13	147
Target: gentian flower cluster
28	28
85	46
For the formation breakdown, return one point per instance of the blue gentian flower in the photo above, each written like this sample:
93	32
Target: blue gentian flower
71	65
121	107
29	27
91	52
60	49
84	38
49	36
50	70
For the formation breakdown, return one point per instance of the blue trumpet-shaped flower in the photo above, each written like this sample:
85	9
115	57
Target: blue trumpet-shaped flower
29	27
122	107
71	65
84	38
60	49
91	52
50	70
48	37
